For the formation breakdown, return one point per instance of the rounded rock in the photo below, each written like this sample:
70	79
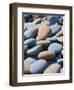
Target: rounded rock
53	68
46	55
60	39
56	47
36	21
60	33
38	66
35	50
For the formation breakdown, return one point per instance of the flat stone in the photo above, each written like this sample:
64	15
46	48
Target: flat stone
53	68
27	63
56	47
46	55
38	66
35	50
43	31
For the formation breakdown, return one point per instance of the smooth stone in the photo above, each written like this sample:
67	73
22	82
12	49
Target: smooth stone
53	19
46	22
44	19
56	47
43	31
60	33
62	52
43	42
35	50
53	68
28	18
55	28
61	70
28	25
46	55
60	61
30	42
27	63
61	21
25	48
38	66
36	21
31	32
60	39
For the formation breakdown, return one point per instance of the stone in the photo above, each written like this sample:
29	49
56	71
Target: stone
30	42
55	28
60	60
46	55
43	31
28	25
60	33
27	63
60	39
31	32
62	52
38	66
43	42
56	47
37	21
25	48
61	70
35	50
53	68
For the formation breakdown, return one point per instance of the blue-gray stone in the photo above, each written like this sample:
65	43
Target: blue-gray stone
30	42
35	50
55	28
31	32
56	47
38	66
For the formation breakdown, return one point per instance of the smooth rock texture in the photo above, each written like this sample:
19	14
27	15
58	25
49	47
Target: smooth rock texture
30	42
25	48
60	61
35	50
36	21
53	68
46	55
56	47
60	39
55	28
62	52
43	31
60	33
31	33
38	66
43	43
27	64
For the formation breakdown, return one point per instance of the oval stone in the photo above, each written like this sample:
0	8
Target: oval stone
30	42
55	28
38	66
27	64
43	42
43	31
46	55
53	68
30	33
56	47
35	50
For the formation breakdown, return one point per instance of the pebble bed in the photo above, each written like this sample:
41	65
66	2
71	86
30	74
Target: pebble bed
43	44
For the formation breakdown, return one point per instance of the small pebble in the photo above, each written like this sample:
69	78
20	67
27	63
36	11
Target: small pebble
60	33
60	39
36	21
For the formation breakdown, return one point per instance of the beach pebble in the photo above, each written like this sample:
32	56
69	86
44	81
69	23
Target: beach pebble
56	47
36	21
38	66
60	33
30	42
46	55
35	50
25	48
43	31
55	28
43	42
62	52
31	32
28	25
27	63
53	68
60	39
60	60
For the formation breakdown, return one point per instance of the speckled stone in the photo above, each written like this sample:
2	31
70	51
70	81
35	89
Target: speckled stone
46	55
31	32
43	31
27	64
30	42
53	68
38	66
56	47
35	50
55	28
43	43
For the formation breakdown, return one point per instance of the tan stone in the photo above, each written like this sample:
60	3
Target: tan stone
60	39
